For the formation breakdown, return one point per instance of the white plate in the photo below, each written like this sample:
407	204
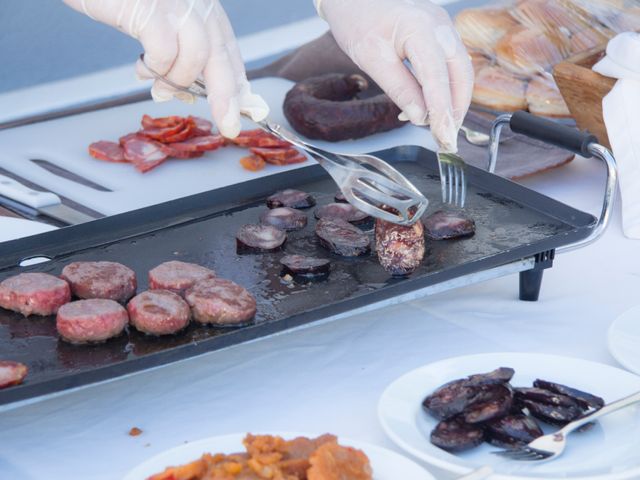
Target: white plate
12	228
624	339
611	450
386	465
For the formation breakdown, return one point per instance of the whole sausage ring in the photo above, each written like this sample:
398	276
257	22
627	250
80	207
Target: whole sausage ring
326	108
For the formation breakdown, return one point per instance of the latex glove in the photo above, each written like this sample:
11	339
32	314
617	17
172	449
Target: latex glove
182	40
379	35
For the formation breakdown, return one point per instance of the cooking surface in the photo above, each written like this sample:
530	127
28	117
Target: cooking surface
506	231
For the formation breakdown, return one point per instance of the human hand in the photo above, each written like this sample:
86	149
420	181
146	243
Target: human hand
379	35
182	40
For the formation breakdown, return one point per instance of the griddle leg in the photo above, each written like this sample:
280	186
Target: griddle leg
531	280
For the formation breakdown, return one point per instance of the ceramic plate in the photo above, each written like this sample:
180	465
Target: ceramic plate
624	339
386	465
608	451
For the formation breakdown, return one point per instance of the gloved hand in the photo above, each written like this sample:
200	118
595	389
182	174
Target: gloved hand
379	35
183	39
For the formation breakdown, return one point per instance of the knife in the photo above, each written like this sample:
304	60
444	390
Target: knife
45	203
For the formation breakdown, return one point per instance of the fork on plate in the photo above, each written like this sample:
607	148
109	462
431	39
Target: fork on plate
551	446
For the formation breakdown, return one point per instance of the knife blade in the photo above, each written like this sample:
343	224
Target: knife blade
45	203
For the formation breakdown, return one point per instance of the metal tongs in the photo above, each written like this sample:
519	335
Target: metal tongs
367	182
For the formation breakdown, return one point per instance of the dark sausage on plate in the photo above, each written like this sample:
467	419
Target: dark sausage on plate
327	108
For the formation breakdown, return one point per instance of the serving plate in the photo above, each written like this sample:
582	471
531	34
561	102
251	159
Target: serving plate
624	339
386	465
608	451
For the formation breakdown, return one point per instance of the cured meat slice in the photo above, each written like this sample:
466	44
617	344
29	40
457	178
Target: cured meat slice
443	225
91	321
400	248
107	151
291	198
342	238
456	436
257	138
158	312
259	238
181	154
275	155
34	293
342	211
160	134
198	144
305	266
177	276
161	122
183	134
110	280
130	136
253	163
298	158
202	126
220	302
144	154
12	373
284	218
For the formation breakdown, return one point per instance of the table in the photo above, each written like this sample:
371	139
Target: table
328	377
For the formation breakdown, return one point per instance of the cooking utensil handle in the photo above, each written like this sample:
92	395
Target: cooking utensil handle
20	193
552	132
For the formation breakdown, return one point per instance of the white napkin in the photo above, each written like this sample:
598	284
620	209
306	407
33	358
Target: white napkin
621	108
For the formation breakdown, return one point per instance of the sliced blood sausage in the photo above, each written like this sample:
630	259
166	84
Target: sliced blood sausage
305	266
443	225
544	396
34	293
110	280
584	399
144	154
91	321
12	373
326	108
499	375
400	248
258	138
339	197
221	302
202	126
284	218
342	238
512	431
342	211
253	163
552	414
456	436
177	276
259	238
291	198
158	312
493	401
107	151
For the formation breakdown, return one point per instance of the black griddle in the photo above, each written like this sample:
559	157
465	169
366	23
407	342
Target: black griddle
512	221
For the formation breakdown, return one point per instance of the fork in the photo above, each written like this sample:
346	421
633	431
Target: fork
453	180
551	446
367	182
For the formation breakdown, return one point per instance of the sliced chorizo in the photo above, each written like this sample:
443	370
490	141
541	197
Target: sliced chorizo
107	151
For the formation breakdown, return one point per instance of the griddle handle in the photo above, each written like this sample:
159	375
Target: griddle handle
553	132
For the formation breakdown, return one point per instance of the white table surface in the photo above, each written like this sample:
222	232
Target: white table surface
327	378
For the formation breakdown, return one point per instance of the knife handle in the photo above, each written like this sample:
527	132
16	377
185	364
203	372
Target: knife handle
20	193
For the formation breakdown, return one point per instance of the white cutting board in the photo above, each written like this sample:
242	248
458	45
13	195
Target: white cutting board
64	142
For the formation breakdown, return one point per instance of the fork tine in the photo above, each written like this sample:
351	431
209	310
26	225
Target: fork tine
464	188
443	180
523	454
450	181
457	185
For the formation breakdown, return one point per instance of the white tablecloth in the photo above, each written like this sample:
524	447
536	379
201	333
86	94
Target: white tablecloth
328	378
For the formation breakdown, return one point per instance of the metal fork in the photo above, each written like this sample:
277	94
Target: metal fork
368	182
551	446
453	180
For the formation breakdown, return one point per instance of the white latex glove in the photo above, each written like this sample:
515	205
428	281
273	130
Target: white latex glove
379	35
183	39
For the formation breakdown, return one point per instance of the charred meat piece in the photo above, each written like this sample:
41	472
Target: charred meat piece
339	197
499	375
450	400
443	225
291	198
493	401
512	431
544	396
342	238
259	238
400	248
552	414
327	108
284	218
305	266
456	436
221	302
584	399
342	211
